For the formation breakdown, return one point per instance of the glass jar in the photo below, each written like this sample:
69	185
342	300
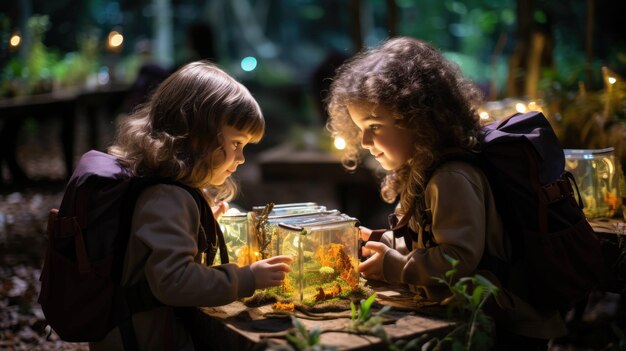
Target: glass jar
597	177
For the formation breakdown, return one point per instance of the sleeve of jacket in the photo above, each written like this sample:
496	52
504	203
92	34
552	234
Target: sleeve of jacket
458	226
166	219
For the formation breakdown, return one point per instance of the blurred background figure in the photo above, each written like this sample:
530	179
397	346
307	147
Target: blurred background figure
199	45
149	76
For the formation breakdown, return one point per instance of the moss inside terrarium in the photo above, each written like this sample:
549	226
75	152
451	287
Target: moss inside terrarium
261	297
321	274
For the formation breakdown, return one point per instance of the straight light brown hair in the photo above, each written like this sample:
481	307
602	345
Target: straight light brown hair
177	134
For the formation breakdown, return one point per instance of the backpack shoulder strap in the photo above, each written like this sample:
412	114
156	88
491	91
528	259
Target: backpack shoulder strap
425	216
213	238
139	297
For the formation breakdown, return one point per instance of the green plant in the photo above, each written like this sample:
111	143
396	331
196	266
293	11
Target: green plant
363	319
469	295
302	339
36	62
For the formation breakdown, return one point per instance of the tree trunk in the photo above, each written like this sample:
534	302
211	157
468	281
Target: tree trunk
355	14
532	52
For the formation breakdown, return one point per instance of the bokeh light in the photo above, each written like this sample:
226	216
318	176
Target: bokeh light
115	39
15	40
248	63
339	143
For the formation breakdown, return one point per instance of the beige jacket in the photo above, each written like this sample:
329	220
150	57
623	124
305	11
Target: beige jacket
163	250
465	223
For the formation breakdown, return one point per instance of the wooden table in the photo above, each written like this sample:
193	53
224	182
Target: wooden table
243	328
66	105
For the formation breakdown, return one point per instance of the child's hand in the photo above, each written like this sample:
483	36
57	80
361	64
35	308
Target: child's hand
219	209
365	233
372	268
271	271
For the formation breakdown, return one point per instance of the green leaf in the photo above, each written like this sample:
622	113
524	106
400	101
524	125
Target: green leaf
370	300
466	280
366	305
452	261
461	289
477	295
485	282
314	336
439	280
296	342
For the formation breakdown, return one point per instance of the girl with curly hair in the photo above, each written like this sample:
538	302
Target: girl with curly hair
192	131
408	106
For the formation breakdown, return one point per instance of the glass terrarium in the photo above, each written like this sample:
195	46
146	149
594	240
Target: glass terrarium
325	249
235	226
291	208
597	177
239	228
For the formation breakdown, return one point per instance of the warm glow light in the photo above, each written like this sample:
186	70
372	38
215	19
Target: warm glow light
256	253
612	80
532	105
15	40
339	143
484	115
115	39
519	107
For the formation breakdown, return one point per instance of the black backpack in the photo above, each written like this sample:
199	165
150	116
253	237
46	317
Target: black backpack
81	295
557	250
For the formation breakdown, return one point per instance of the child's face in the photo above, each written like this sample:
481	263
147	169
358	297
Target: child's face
390	145
234	142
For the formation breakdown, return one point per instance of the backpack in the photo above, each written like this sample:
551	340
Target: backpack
553	246
81	296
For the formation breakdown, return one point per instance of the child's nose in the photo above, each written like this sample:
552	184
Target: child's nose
366	140
240	158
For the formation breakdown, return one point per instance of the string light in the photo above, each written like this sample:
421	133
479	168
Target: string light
115	39
15	40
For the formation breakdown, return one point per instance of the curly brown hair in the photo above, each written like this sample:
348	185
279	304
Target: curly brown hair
427	94
177	134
